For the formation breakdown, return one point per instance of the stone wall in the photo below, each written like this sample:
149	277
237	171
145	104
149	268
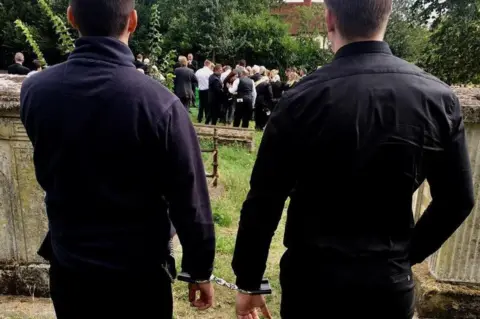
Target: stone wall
459	258
23	221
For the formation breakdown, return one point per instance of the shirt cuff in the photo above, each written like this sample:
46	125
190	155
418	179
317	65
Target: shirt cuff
201	275
248	284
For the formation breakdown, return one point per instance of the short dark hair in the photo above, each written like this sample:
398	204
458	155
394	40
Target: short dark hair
107	18
360	18
37	64
242	63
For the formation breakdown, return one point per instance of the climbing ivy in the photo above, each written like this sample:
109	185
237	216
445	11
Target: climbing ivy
155	38
31	41
66	44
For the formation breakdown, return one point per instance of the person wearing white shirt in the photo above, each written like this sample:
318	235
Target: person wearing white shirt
245	91
202	76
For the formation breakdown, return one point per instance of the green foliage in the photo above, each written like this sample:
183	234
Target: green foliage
208	24
453	55
169	81
12	39
406	36
224	30
454	47
155	38
65	40
163	73
30	40
259	38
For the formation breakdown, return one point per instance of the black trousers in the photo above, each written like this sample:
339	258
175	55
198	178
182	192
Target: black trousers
186	101
308	293
215	108
228	110
243	113
203	108
261	117
80	295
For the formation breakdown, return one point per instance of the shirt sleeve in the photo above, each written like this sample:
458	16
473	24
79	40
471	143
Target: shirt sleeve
450	178
271	182
254	93
187	195
234	87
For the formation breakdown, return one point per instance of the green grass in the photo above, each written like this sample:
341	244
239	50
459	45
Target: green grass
235	169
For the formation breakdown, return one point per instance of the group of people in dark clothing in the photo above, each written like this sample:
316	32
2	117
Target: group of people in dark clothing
231	96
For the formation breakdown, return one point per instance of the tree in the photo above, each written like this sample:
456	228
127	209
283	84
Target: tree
208	22
406	36
454	47
11	38
65	40
259	38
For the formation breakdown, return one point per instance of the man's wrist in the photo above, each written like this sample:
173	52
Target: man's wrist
245	292
195	278
201	282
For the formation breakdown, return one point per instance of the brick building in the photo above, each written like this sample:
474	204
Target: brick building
290	13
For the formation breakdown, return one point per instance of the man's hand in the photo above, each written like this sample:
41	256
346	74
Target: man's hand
206	298
247	306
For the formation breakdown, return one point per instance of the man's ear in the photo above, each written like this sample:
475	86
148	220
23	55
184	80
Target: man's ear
330	20
132	21
71	18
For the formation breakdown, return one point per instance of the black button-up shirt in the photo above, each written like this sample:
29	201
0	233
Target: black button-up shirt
117	155
350	144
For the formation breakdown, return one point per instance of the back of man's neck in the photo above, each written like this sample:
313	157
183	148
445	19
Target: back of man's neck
343	42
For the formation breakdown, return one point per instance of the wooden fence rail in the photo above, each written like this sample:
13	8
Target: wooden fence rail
214	175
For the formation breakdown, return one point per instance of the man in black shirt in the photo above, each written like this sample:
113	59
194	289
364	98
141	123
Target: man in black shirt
117	155
17	68
139	63
215	95
192	64
350	144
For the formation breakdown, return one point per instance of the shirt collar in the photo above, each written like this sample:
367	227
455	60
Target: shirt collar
103	48
357	48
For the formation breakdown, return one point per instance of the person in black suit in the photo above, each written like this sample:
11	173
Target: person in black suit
277	87
229	103
184	81
17	68
215	95
264	101
192	64
139	63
